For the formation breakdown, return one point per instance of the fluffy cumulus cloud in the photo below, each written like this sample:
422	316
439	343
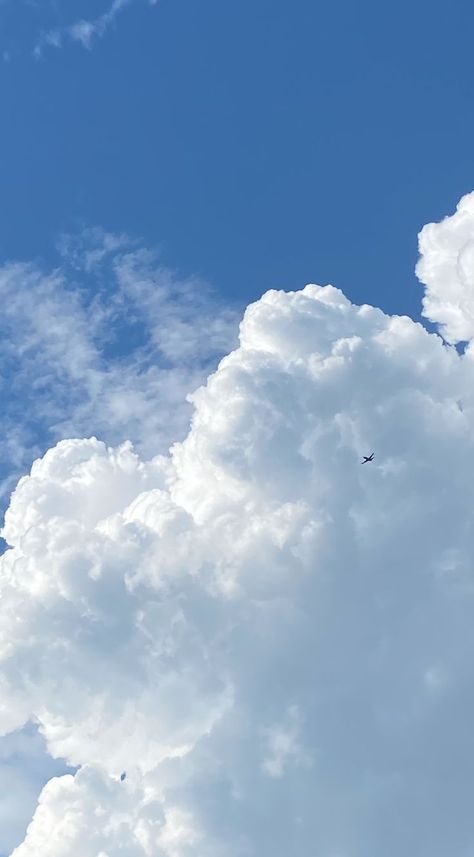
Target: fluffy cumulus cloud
273	641
446	267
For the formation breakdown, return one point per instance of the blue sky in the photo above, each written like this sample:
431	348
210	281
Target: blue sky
258	144
162	165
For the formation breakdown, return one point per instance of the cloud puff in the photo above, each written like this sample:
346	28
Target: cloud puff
129	824
271	639
446	268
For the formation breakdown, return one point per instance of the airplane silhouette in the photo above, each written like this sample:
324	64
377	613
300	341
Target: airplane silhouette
368	458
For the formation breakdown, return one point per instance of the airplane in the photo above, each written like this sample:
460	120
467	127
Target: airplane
368	458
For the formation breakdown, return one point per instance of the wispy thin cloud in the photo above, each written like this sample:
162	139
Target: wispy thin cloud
110	343
84	30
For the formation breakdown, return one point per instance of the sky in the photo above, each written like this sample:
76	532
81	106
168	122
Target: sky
201	586
259	144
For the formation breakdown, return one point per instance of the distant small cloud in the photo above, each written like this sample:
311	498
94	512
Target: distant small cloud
283	746
85	30
51	39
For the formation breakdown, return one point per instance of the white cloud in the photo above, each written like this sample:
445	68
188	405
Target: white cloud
272	640
446	268
129	824
83	30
